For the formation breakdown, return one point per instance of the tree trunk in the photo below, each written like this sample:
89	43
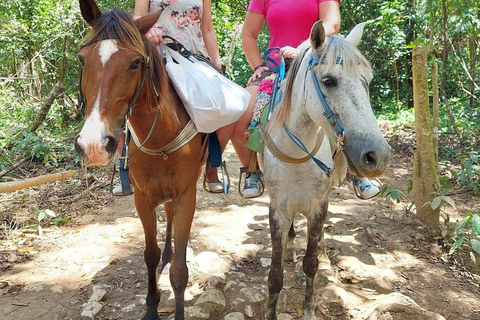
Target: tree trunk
436	101
397	78
54	93
473	54
236	35
444	72
61	76
424	166
32	182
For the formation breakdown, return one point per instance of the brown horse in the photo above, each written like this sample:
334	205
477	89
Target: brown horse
123	78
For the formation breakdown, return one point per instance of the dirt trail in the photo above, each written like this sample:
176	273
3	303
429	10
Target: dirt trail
380	260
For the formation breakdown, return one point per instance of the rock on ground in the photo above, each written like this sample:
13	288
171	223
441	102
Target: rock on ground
211	300
397	306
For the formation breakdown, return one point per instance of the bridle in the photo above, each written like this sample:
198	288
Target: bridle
328	113
187	133
132	104
148	68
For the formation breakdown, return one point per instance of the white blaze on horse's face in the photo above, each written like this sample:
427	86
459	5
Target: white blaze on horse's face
95	141
107	49
92	139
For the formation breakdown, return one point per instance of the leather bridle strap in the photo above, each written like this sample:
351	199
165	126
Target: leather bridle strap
184	137
277	153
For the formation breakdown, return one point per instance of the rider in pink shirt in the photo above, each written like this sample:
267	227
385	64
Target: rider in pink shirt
289	21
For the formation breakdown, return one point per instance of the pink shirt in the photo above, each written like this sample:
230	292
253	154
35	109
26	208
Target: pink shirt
289	21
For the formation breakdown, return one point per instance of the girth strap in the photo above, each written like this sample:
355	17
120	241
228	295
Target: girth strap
272	147
184	137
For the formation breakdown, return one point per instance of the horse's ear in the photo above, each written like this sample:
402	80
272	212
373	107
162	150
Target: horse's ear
147	21
90	11
356	34
317	35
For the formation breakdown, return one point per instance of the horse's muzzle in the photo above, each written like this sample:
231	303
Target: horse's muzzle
371	163
96	153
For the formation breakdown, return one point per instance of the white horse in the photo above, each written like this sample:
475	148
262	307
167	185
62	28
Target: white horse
326	89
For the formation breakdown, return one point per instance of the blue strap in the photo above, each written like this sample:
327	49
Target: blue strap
124	179
314	60
279	69
215	158
302	146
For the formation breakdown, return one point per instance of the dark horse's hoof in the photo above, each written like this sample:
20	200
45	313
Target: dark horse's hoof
151	315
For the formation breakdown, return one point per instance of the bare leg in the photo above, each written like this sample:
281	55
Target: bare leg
184	207
310	261
278	232
238	139
146	212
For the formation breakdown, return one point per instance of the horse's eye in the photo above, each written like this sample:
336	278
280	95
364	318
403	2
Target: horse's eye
135	64
329	81
81	61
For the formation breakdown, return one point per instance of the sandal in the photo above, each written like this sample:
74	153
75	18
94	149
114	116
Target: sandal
217	187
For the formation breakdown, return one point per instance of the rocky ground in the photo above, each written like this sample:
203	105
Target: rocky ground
380	265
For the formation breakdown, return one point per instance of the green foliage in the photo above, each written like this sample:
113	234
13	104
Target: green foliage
393	194
469	174
45	213
467	231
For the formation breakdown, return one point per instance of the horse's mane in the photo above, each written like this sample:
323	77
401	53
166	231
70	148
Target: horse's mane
335	46
119	25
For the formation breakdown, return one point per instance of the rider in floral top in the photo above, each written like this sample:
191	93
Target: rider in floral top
182	20
188	21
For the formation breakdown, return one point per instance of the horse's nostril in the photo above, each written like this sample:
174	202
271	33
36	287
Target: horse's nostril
370	158
111	144
78	148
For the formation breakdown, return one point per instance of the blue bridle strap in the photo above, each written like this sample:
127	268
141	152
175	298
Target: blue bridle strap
332	119
302	146
328	113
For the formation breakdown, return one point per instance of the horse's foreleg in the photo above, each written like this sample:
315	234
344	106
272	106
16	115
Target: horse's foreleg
310	261
278	232
167	251
184	208
145	208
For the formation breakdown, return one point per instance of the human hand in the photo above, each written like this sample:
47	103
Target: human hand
257	74
289	52
155	35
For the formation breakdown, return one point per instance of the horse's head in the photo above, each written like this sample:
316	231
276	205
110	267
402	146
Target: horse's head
343	76
114	65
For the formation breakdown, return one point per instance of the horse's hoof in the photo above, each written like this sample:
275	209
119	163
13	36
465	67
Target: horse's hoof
151	314
290	255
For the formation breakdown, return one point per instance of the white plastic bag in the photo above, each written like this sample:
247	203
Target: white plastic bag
211	100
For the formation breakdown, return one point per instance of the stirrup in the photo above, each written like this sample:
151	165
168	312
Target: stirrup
225	179
243	172
379	185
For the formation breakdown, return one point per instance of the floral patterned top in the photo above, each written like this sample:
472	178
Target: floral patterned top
181	20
